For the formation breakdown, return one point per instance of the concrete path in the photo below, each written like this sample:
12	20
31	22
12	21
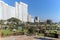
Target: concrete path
24	37
18	38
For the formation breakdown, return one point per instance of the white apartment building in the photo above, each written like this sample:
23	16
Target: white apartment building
29	18
6	11
20	11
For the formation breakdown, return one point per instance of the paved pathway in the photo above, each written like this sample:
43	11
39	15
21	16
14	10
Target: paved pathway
18	38
23	37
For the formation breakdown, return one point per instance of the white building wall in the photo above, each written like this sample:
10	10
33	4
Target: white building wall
0	10
8	12
4	11
29	18
20	11
32	20
12	12
24	11
16	9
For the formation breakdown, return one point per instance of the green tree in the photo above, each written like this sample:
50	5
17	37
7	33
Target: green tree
13	22
1	23
49	21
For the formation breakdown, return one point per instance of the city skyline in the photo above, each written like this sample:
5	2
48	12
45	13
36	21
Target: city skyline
45	9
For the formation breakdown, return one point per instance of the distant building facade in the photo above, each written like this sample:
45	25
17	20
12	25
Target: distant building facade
36	19
20	11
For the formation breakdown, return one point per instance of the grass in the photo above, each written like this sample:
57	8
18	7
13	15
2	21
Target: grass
53	31
6	32
41	34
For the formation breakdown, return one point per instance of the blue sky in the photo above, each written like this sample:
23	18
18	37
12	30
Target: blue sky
45	9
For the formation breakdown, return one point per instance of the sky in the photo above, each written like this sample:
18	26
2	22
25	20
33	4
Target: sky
45	9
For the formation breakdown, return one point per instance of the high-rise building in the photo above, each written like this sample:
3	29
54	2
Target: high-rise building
24	11
20	11
29	18
16	9
6	11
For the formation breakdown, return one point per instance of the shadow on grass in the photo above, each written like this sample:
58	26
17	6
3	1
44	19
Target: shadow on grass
42	38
